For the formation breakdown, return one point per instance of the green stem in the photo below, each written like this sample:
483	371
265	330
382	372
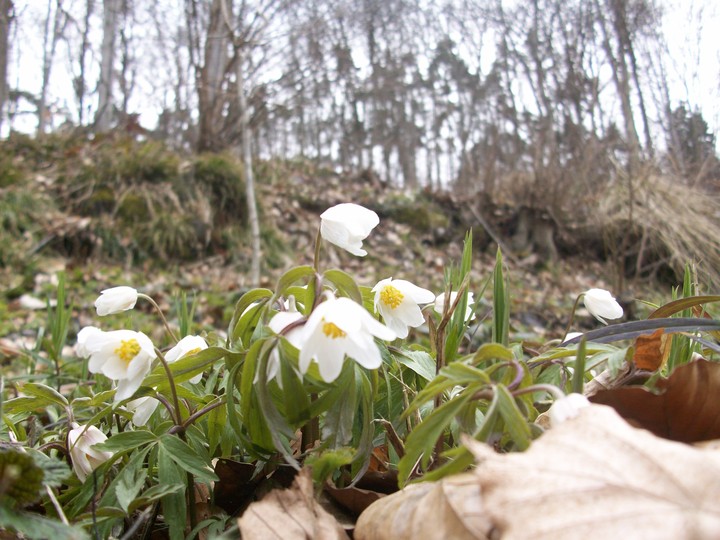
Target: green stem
540	387
572	317
176	402
162	315
316	258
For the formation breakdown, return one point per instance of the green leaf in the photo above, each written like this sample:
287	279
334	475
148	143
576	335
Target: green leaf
189	366
501	303
345	284
33	525
246	300
295	397
55	471
291	277
323	465
188	460
49	395
338	422
419	361
174	508
155	493
492	351
681	304
515	422
127	440
422	439
633	329
130	482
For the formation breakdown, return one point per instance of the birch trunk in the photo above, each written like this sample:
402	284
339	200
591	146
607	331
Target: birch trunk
104	116
5	14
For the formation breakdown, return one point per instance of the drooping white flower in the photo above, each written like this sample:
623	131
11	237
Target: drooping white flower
346	225
280	321
115	300
122	355
185	347
85	459
601	305
142	409
339	327
566	407
398	303
439	306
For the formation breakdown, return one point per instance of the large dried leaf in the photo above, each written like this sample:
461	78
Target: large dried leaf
595	476
685	409
447	509
290	514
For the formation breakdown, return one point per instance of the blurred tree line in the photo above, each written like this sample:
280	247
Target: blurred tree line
546	99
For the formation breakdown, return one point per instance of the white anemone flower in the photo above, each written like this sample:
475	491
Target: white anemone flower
295	336
142	409
439	306
122	355
85	459
185	347
115	300
601	305
566	408
346	225
398	303
339	327
82	337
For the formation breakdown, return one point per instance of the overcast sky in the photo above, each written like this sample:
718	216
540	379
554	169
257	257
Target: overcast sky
691	27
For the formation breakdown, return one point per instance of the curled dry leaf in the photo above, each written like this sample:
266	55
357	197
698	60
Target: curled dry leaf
685	410
595	476
290	514
447	509
592	477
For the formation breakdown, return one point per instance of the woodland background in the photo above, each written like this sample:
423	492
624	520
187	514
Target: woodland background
552	127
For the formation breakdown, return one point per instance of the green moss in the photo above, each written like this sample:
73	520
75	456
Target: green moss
221	177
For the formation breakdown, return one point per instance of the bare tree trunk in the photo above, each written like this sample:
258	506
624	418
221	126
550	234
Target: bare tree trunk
104	116
80	81
50	40
6	7
246	134
211	98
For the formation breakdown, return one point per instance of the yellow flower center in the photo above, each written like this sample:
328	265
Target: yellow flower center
128	350
189	353
391	297
332	331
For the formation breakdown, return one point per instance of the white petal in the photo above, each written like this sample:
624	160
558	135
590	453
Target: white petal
127	387
365	352
417	294
115	300
142	409
601	304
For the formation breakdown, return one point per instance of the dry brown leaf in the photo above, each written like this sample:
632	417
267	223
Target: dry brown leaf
686	409
595	476
290	514
651	351
448	509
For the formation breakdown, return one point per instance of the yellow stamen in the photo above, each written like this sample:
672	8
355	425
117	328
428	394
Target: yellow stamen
195	350
391	297
332	331
128	350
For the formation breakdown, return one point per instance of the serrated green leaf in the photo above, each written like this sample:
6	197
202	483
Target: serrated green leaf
55	471
338	421
130	482
185	457
296	398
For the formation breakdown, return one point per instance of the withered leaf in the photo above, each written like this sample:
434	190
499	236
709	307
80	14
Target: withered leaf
651	351
290	514
597	477
447	509
685	409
